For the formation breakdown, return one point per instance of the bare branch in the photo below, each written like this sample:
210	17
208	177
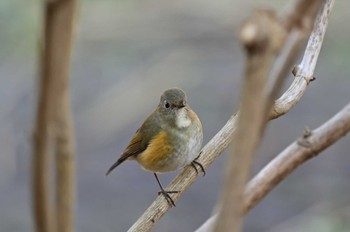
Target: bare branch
60	19
42	209
306	68
54	116
291	18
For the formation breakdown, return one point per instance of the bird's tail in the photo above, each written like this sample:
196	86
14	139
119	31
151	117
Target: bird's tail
116	164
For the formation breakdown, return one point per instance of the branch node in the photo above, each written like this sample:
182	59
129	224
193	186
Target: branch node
297	72
307	132
308	79
303	141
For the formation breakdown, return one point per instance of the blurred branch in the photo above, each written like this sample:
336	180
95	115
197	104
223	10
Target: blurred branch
262	37
54	123
223	138
60	19
42	209
291	18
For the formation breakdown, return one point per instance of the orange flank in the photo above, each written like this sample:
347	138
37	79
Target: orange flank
157	150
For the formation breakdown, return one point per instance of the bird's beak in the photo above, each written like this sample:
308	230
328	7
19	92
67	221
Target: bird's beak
181	105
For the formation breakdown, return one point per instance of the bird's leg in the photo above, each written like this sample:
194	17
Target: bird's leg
195	162
165	193
194	166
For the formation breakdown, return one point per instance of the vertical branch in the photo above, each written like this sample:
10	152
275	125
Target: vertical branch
65	167
60	17
54	122
42	208
262	37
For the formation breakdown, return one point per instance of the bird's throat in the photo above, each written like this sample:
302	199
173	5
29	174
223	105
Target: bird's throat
182	119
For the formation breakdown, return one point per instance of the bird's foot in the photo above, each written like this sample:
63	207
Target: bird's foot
194	163
168	197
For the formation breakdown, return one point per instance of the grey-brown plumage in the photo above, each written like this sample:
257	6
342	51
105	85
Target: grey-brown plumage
169	139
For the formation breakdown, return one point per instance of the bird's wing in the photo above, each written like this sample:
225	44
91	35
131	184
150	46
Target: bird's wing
139	142
142	137
135	147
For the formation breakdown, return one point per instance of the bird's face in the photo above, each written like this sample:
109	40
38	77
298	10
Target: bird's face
173	108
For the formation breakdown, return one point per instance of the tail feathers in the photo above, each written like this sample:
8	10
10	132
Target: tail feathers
116	164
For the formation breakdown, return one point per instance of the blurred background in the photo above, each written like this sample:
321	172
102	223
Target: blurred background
126	54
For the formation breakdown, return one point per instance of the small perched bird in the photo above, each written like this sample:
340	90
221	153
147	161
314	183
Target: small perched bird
169	139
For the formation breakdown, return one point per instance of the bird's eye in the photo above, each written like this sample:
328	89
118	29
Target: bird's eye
166	104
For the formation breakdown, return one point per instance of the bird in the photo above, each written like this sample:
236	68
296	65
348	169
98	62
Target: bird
169	139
